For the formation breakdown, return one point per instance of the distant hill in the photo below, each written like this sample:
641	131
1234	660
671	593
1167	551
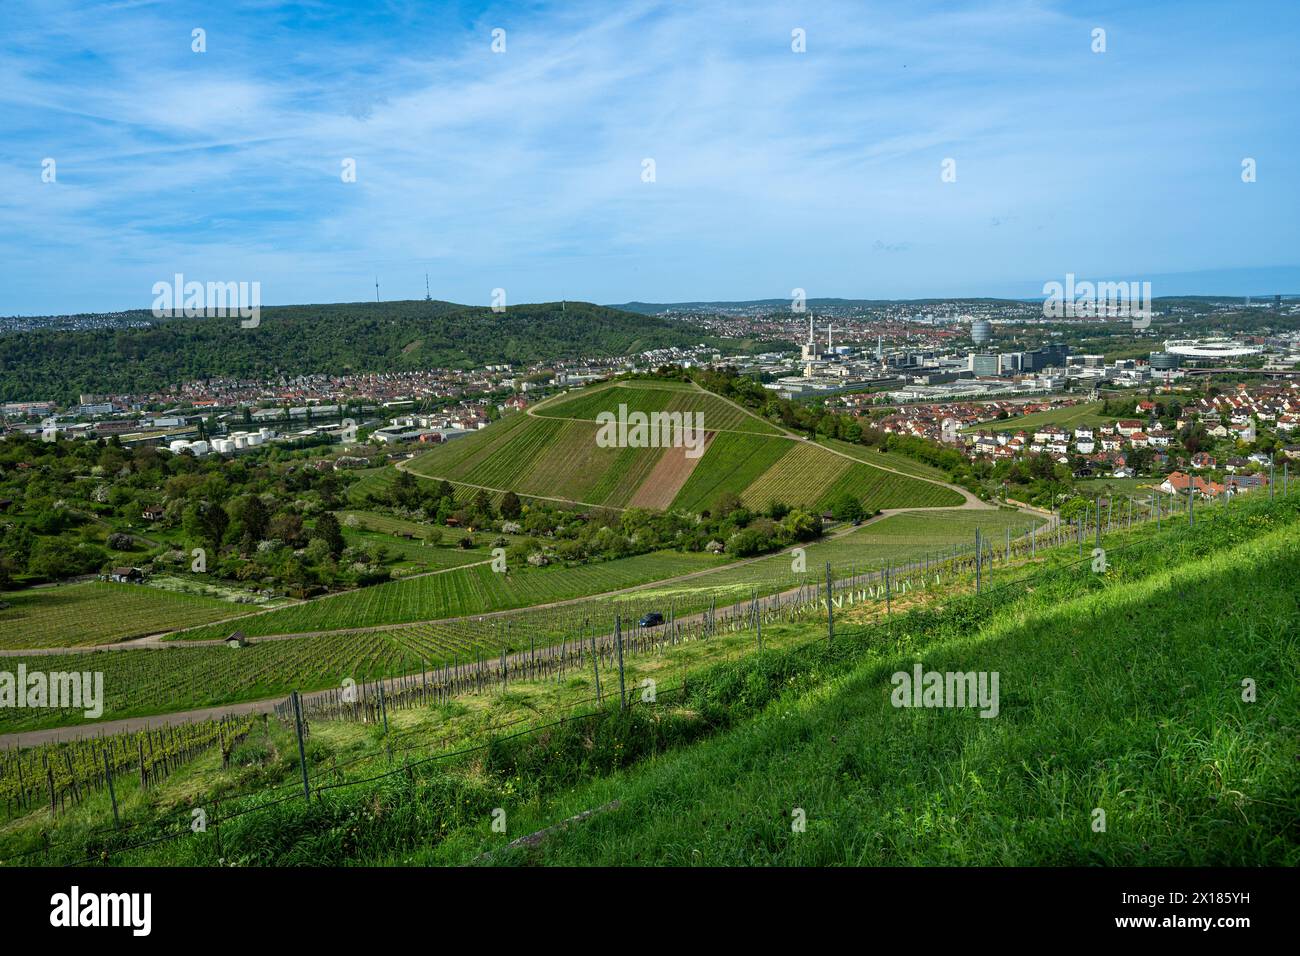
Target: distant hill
655	308
332	339
552	451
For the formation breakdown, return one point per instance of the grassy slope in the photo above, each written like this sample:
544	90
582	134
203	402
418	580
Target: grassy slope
1125	696
1075	416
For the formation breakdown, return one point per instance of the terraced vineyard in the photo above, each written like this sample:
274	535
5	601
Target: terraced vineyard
732	463
83	615
462	591
142	682
553	453
717	413
885	459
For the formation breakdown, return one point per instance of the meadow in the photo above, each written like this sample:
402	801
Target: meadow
1075	416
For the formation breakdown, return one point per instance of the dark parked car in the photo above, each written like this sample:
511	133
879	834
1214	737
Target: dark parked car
653	619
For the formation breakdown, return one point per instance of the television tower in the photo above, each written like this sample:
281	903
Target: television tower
427	296
376	288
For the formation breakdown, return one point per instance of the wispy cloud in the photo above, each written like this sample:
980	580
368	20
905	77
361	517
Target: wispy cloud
774	169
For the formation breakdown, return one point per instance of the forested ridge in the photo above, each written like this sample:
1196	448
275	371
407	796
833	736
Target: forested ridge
333	339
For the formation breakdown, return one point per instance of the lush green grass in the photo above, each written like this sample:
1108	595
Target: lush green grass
1119	691
369	530
895	539
1103	704
101	613
1075	416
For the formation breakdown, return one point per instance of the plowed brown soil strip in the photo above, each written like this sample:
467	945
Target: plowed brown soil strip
667	477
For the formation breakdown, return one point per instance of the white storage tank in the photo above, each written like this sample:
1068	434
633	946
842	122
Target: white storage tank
200	447
241	439
178	446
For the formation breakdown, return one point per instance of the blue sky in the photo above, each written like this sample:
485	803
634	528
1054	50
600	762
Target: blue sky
523	170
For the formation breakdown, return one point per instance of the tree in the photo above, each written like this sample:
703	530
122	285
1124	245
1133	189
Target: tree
327	529
483	505
406	492
847	507
206	523
255	518
510	506
287	527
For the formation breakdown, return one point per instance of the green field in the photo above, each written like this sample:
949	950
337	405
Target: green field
81	615
370	530
462	591
553	453
892	540
1076	416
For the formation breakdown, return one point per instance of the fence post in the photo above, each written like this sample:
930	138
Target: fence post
618	640
108	776
595	661
302	748
830	608
979	561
